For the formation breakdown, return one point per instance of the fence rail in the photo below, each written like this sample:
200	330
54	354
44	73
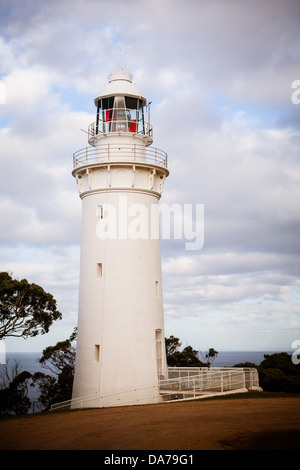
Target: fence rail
222	377
141	396
182	382
124	152
204	379
122	121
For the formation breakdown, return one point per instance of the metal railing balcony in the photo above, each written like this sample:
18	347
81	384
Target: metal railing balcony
106	153
120	120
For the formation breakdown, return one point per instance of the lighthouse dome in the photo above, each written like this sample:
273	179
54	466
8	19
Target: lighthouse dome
120	82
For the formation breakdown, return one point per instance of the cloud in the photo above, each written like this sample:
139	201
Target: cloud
219	76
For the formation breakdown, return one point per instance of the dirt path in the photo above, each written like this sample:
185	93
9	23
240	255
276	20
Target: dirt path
269	423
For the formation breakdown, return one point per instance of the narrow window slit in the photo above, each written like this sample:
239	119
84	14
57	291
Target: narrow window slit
99	270
97	353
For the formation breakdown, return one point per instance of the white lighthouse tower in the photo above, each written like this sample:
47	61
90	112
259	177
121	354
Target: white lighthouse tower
120	343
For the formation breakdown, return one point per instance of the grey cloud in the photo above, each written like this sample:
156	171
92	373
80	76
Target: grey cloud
219	75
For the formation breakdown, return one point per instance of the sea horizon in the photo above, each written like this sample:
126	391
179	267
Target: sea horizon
29	360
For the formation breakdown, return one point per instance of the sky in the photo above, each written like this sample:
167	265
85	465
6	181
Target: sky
222	76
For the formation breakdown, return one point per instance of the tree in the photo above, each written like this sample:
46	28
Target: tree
25	309
278	373
172	345
48	389
281	361
186	358
210	356
56	358
14	390
60	360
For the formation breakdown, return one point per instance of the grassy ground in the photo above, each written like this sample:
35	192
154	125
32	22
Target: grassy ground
258	421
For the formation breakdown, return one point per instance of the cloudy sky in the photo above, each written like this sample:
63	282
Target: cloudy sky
219	74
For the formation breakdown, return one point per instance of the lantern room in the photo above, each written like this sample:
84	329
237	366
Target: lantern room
121	109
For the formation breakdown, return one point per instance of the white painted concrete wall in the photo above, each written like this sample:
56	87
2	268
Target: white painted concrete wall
120	294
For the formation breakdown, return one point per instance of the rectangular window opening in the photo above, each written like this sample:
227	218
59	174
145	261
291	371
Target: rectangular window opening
97	353
100	211
99	270
157	289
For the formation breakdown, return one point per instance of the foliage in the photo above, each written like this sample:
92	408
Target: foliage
14	390
172	345
277	373
55	358
25	309
186	358
48	389
60	360
282	361
210	356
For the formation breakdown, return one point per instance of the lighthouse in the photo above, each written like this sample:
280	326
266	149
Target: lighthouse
120	353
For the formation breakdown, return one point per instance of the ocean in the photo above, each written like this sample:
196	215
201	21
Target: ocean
30	361
231	358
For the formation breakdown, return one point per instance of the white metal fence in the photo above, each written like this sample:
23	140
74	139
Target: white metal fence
182	383
216	375
114	153
191	382
140	396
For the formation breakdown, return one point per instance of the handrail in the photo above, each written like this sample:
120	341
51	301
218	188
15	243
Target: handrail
123	152
222	379
123	125
96	396
70	402
120	120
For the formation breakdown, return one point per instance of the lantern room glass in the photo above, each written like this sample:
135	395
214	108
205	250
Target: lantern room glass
120	114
